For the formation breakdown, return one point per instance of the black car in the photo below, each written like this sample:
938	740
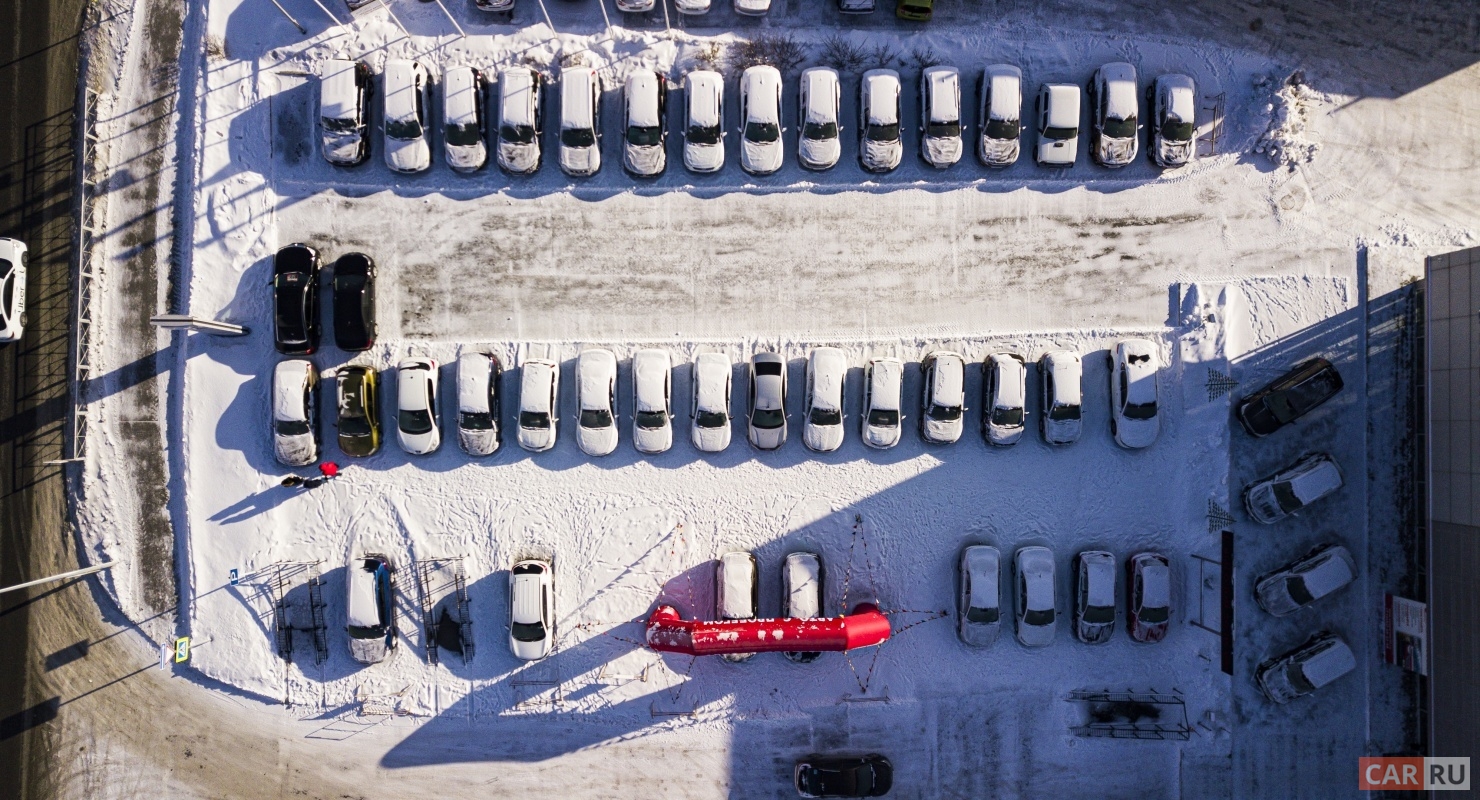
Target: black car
1290	397
844	776
295	300
354	302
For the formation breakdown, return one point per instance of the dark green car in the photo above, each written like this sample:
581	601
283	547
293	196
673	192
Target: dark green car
359	410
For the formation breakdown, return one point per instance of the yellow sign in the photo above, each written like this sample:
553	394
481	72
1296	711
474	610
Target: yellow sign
182	649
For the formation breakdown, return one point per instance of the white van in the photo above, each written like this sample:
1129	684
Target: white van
736	591
645	124
344	91
519	120
580	121
478	430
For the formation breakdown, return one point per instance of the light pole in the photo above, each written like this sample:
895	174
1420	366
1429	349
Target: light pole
172	322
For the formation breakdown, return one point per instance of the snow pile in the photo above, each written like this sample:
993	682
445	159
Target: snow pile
1290	139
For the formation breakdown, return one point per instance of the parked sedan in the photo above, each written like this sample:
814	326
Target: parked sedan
463	121
1133	395
1006	396
295	416
407	102
704	121
801	594
479	431
1320	573
358	401
819	112
652	413
645	124
736	592
710	430
1321	660
752	8
943	404
1149	597
531	609
596	398
940	116
1058	125
295	300
843	776
979	610
1037	596
519	120
1115	132
822	428
879	146
1173	121
1060	376
760	120
767	410
13	258
1273	498
1289	397
1001	115
539	391
1094	596
354	302
882	417
418	418
370	607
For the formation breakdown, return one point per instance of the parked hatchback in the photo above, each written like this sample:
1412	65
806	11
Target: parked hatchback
645	124
979	606
822	429
1173	121
1149	597
801	594
1133	394
370	607
1317	663
539	392
1005	399
914	10
344	102
710	430
843	776
295	417
596	401
1318	574
882	417
418	420
943	403
295	300
760	120
519	120
1289	397
1060	378
1001	115
531	609
1115	133
652	389
940	116
1271	499
354	302
580	121
736	592
1037	596
1058	125
819	107
1094	596
13	258
879	145
358	402
704	121
479	429
767	410
407	98
463	121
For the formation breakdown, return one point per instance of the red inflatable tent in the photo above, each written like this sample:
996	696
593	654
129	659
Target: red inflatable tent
668	632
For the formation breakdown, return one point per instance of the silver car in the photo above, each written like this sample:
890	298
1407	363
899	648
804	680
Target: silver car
943	405
940	116
822	426
1322	659
539	392
1060	378
979	610
478	427
1005	398
801	593
1037	596
463	125
1001	115
883	416
1319	574
652	415
767	410
818	111
1271	499
1116	130
1174	121
1094	596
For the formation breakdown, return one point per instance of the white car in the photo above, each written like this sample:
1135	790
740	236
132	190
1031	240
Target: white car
704	121
752	8
940	116
580	121
827	369
1173	120
370	607
1061	378
1320	573
1037	596
652	413
490	5
635	6
819	112
519	120
596	401
1094	596
1271	499
760	120
801	594
539	393
13	258
531	609
418	427
1005	399
736	591
979	610
710	430
691	6
344	92
463	125
407	99
1058	125
645	124
1116	132
943	401
882	418
1001	115
879	146
295	415
766	421
1322	659
1148	613
1133	395
478	426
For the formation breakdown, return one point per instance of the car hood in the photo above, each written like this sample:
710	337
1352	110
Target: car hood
466	158
597	441
1117	152
358	446
711	440
537	439
1149	633
295	451
881	155
1057	151
580	160
1096	633
979	635
760	159
419	444
819	154
691	6
768	439
880	437
1061	431
404	155
1136	432
704	157
530	651
1173	154
942	432
999	152
643	160
1262	504
822	438
1035	635
1004	436
942	151
368	651
1273	597
1276	683
653	441
342	148
518	158
477	443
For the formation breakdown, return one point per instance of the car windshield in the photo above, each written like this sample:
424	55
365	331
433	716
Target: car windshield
881	418
1099	615
943	130
475	421
464	135
534	420
1295	585
403	129
1003	128
1284	494
528	631
1063	412
1153	615
644	136
1060	134
768	420
516	134
818	131
762	132
651	420
981	615
1120	128
353	425
1175	131
711	419
941	413
883	133
1140	410
287	427
826	416
415	421
704	134
362	632
1007	417
596	418
335	125
1038	618
578	137
1311	393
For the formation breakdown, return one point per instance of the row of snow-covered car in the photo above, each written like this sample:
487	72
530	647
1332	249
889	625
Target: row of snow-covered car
916	10
942	406
1114	130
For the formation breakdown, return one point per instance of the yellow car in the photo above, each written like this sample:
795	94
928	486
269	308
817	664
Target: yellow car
915	10
359	411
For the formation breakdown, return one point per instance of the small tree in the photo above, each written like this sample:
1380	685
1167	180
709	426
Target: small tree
843	54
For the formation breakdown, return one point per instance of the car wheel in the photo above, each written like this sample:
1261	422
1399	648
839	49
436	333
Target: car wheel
25	319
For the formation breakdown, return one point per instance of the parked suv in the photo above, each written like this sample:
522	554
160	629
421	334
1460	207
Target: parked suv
1058	125
1318	574
370	609
1133	395
519	120
1321	660
1005	402
1289	397
596	401
295	300
879	146
539	393
580	121
645	124
407	98
767	411
358	402
344	97
1001	115
418	415
1060	376
479	428
652	390
760	120
295	414
1149	597
819	113
1173	120
943	403
1115	134
1277	496
940	116
736	592
531	609
704	121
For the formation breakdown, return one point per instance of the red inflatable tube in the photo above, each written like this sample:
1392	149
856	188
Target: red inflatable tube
668	632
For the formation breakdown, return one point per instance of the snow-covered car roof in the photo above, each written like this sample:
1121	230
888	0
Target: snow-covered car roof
762	86
712	370
576	96
596	369
803	573
363	611
820	86
649	377
643	87
1099	567
1120	89
1334	572
289	380
1036	564
525	591
944	93
1181	96
1012	390
473	372
983	563
1063	105
828	367
736	592
1141	365
460	89
950	376
517	96
1006	82
1318	478
411	383
881	87
705	90
1332	662
400	89
884	381
535	380
1067	371
1156	583
339	98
